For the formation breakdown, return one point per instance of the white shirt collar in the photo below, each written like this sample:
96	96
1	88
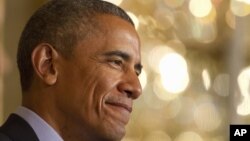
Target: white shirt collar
42	129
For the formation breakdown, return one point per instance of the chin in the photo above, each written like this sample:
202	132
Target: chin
113	134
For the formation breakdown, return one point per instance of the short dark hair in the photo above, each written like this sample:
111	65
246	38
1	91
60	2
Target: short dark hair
61	23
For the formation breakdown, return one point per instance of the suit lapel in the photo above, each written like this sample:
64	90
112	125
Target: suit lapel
17	129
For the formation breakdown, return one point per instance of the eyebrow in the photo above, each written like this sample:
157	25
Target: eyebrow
124	56
121	54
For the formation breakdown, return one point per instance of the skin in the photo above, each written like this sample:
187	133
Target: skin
89	96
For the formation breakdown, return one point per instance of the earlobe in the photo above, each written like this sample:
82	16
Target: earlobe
44	58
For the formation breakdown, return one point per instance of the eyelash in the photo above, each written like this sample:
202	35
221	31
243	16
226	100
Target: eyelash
116	62
119	63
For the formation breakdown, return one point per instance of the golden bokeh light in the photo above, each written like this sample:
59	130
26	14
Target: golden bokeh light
205	32
174	3
152	120
134	19
174	73
243	108
185	44
207	112
116	2
240	8
173	108
244	85
200	8
157	136
244	1
206	79
178	46
221	85
188	136
230	19
164	17
192	52
185	116
156	54
161	92
143	78
145	2
130	139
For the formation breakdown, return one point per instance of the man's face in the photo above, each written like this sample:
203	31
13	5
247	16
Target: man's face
97	85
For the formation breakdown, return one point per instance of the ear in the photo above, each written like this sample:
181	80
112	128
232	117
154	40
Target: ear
44	57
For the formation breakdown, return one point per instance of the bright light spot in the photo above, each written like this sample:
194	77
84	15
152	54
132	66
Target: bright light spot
174	73
205	32
143	79
244	1
160	91
244	85
157	136
244	108
240	7
206	79
200	8
221	85
156	54
134	19
207	112
189	136
116	2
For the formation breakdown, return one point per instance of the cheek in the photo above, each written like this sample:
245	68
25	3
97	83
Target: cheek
103	84
90	89
82	90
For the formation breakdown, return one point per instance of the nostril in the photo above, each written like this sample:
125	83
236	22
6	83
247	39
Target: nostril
129	93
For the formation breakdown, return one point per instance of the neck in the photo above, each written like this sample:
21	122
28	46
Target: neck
44	106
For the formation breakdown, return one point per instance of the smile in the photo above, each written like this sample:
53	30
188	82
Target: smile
120	105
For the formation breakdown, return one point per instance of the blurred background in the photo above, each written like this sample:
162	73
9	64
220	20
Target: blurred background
196	58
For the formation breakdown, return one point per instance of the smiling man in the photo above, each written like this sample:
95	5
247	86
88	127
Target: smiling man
79	62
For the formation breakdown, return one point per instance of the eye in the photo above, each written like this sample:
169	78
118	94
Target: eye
116	62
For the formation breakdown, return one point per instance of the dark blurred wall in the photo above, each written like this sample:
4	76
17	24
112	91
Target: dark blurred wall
16	15
2	57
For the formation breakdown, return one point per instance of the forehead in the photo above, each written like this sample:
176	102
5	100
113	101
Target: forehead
116	28
112	33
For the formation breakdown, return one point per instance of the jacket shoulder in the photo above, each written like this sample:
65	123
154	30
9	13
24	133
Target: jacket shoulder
17	129
3	137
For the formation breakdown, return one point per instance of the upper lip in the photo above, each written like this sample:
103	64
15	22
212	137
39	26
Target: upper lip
123	105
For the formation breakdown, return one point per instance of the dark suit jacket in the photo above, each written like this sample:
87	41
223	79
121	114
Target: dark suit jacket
17	129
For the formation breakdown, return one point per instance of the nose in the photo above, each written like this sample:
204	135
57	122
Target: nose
130	86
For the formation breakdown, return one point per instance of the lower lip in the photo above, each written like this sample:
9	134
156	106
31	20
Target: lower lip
119	107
